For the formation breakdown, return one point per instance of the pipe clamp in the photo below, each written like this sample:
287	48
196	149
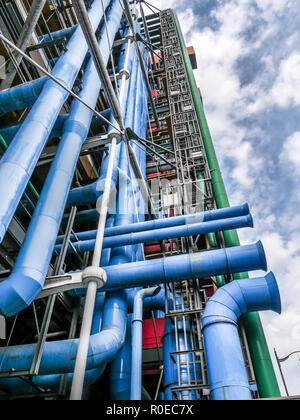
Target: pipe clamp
115	134
96	274
124	72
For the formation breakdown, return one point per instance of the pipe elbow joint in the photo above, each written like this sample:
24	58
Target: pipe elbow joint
18	292
240	297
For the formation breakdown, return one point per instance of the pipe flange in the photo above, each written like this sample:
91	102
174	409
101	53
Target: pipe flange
124	72
130	37
95	274
115	134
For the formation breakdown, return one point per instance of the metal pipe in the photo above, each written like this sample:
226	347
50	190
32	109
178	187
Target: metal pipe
142	183
227	372
163	234
63	33
22	96
92	283
29	273
27	30
147	34
120	369
90	37
144	72
137	347
35	131
10	132
90	194
202	217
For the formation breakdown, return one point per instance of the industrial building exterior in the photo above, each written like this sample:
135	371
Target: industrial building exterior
121	272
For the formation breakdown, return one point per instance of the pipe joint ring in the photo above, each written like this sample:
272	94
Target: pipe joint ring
124	72
219	321
130	38
115	134
95	274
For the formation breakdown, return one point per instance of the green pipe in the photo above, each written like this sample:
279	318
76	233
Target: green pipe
260	355
211	236
30	190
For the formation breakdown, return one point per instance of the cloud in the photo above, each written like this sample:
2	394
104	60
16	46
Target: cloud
285	91
290	156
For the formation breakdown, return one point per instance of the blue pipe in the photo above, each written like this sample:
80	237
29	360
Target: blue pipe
19	161
163	234
59	356
120	369
227	372
137	341
16	386
27	278
63	33
91	216
9	133
90	194
22	96
186	267
186	368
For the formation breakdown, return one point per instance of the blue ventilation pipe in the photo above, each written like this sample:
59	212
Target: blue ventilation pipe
63	33
9	133
22	96
59	357
181	374
89	194
91	215
163	234
137	341
227	372
28	275
120	369
19	161
186	267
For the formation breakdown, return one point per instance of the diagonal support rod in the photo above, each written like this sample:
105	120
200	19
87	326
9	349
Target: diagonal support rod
141	61
84	21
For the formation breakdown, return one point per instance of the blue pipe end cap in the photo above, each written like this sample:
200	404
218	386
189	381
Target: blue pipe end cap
246	209
262	256
274	292
250	222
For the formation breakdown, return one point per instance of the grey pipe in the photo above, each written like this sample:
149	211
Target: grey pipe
28	28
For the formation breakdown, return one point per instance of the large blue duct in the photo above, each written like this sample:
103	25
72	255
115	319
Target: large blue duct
27	278
89	194
227	372
186	267
163	234
120	369
178	368
9	133
22	96
19	161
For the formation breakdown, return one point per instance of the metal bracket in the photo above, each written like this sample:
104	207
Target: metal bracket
60	284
